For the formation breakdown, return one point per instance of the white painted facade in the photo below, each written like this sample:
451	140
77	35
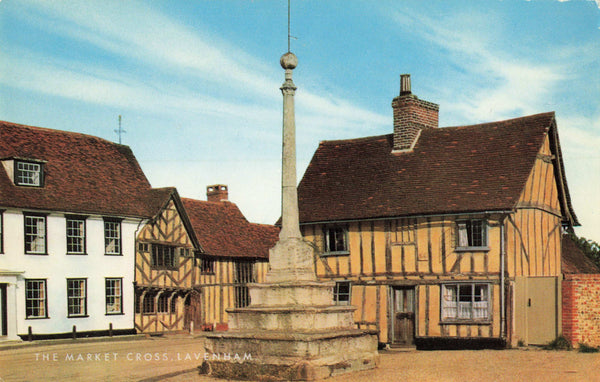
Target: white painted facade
57	266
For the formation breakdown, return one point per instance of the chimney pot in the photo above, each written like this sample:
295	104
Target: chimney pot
405	84
217	193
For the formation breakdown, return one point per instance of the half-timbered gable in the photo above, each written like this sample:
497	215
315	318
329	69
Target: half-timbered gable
234	253
442	234
165	268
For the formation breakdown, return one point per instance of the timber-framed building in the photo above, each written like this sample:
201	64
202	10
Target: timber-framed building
443	236
194	259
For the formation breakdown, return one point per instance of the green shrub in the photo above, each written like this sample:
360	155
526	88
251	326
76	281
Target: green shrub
583	348
559	343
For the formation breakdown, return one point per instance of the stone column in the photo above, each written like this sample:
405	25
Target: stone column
291	259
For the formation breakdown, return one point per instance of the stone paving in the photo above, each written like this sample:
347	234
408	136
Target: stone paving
176	358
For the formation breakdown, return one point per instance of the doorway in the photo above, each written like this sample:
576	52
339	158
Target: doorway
403	316
3	310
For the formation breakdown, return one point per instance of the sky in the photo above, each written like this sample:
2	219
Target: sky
197	82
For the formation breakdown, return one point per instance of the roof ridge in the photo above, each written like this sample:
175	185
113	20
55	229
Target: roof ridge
525	117
51	130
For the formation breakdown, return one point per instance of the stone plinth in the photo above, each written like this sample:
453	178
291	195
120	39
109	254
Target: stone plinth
291	356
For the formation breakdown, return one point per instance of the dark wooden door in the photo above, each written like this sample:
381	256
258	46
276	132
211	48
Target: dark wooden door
403	321
192	310
3	310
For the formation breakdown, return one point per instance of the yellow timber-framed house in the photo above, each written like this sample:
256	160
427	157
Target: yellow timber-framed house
443	237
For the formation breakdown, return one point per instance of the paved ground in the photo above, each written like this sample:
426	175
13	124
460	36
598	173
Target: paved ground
174	359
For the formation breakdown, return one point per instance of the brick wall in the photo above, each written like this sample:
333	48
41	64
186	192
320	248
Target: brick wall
581	308
412	114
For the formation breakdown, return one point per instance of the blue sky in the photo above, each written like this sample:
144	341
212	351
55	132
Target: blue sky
197	82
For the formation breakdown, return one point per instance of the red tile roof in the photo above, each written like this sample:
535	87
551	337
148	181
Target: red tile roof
83	173
574	260
454	169
223	231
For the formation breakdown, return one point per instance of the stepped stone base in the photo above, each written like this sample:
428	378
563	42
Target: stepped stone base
295	356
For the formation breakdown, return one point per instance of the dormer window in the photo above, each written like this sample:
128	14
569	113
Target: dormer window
28	174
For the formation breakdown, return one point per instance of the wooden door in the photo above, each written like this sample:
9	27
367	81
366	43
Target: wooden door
403	316
192	311
3	310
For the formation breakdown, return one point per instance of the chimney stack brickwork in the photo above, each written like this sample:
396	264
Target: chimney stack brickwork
411	115
217	193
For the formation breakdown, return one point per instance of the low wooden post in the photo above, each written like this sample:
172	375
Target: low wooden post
29	334
74	332
110	329
192	327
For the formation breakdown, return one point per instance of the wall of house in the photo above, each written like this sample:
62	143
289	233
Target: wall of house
417	252
217	289
581	311
166	229
534	232
57	266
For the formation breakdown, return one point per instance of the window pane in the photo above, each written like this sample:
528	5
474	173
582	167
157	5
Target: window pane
112	237
35	234
35	298
75	236
28	174
76	297
113	296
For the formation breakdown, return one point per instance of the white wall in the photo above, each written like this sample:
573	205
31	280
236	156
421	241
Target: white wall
57	266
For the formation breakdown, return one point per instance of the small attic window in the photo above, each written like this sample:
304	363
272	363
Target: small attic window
28	173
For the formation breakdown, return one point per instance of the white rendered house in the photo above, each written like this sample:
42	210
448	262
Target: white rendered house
70	209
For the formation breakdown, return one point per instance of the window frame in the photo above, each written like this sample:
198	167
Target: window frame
118	239
162	264
469	232
327	230
337	294
28	299
472	319
76	218
113	295
79	298
148	305
30	215
18	171
207	266
162	304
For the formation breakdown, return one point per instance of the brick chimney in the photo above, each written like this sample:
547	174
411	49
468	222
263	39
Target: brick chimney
217	193
411	115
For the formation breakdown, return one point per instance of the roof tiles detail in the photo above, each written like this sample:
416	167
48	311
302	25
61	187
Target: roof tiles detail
454	169
223	231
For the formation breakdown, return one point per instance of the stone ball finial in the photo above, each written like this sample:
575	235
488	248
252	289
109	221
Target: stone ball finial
289	61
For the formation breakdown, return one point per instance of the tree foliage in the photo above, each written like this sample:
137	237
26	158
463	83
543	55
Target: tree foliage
589	247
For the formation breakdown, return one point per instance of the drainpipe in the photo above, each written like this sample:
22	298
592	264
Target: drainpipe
502	292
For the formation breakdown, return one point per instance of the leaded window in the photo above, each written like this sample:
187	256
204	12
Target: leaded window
471	234
468	301
336	239
341	293
164	256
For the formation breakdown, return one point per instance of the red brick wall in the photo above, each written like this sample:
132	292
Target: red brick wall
581	308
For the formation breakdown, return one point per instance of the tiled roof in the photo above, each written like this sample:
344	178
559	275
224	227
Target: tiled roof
83	174
223	231
574	260
454	169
